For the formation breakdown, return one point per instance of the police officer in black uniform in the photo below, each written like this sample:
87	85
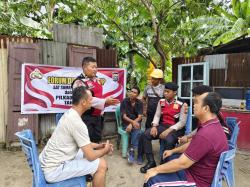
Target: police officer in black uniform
152	94
93	117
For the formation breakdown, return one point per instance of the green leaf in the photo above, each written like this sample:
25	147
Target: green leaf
239	29
30	23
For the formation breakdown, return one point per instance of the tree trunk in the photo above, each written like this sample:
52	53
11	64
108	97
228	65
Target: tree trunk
131	79
131	56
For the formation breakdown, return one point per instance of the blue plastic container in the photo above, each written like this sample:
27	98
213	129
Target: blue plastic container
248	100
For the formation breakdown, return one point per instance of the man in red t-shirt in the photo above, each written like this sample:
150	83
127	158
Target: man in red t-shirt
197	164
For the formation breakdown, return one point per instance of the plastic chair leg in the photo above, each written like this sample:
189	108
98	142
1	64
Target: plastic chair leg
118	141
230	176
33	181
124	145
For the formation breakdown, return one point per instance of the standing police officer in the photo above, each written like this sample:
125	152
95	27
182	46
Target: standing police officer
92	118
152	94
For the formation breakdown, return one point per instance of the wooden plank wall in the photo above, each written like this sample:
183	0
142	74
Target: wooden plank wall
4	44
3	92
217	66
106	58
181	60
238	70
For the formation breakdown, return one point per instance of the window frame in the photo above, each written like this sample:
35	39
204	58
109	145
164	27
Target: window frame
205	80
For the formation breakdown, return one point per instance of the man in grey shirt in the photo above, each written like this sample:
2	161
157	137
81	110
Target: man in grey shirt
69	152
152	94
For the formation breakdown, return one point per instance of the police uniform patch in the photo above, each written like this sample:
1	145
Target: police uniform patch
176	106
78	83
162	103
90	85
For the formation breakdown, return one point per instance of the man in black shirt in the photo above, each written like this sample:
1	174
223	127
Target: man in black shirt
131	113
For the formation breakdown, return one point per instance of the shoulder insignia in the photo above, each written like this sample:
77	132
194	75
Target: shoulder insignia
162	102
78	83
179	102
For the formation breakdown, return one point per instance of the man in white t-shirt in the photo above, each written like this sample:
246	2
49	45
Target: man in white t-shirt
69	152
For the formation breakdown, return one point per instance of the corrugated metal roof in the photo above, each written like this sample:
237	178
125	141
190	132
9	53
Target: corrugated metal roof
6	39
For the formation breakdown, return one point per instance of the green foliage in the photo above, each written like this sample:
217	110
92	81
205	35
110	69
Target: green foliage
239	29
140	71
239	26
24	18
223	24
151	30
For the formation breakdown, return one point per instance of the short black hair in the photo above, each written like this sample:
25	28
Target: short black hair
78	94
213	100
136	88
87	60
201	89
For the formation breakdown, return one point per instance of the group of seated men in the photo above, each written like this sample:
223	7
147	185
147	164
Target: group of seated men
168	125
70	153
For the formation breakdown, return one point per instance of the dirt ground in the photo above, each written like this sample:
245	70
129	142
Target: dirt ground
14	170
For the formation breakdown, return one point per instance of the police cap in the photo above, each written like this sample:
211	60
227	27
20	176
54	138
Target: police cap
171	86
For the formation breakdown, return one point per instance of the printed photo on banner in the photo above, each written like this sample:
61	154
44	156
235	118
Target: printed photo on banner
47	89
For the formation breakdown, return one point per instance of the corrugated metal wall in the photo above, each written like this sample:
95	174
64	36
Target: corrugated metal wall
226	70
76	34
218	65
52	53
4	43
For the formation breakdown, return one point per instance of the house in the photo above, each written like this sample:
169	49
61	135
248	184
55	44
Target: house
226	69
69	45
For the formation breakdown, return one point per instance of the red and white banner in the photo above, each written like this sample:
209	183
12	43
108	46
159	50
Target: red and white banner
47	89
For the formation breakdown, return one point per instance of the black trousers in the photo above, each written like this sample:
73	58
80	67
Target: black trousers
145	142
95	127
150	117
151	108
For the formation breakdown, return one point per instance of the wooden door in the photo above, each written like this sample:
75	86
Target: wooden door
106	58
19	53
77	53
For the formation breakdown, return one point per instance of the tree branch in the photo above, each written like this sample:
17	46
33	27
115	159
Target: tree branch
125	34
156	28
164	13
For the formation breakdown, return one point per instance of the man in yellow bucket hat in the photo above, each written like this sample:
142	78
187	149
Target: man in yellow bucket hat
152	94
